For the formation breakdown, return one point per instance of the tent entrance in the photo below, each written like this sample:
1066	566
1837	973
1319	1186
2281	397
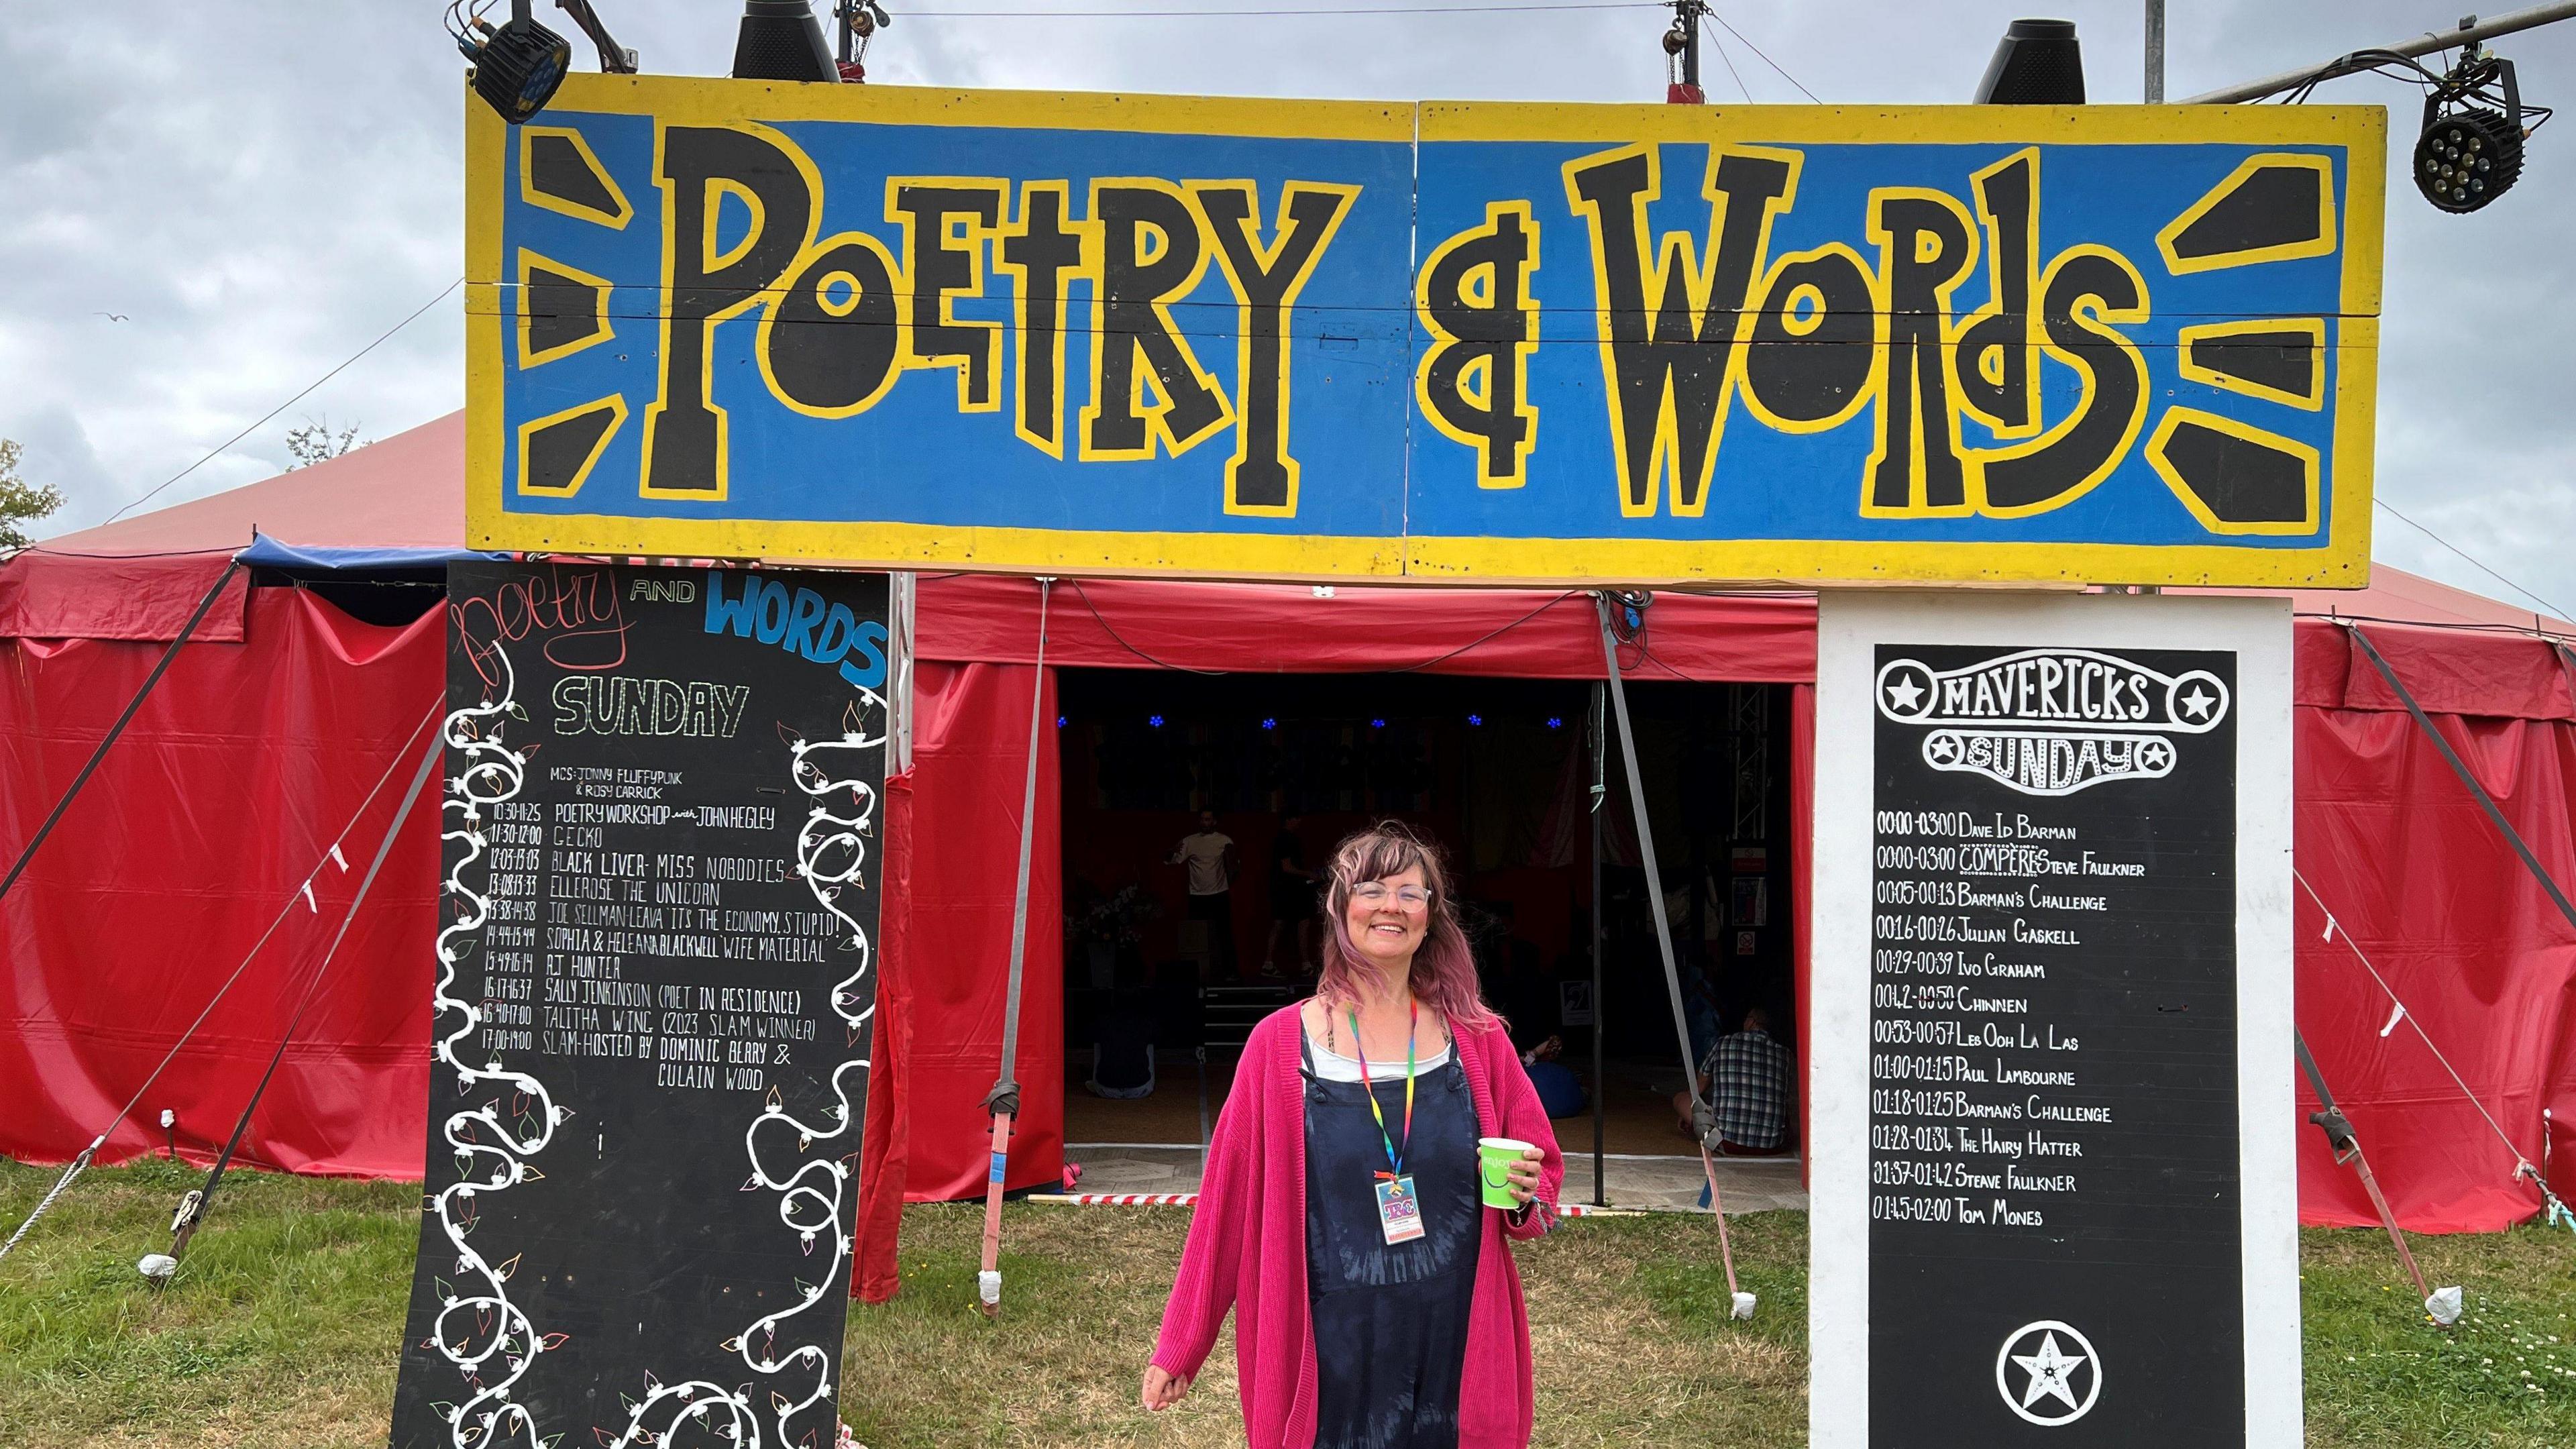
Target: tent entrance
1498	772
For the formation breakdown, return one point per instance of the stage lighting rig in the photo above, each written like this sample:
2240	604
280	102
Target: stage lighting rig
614	59
2470	151
516	66
860	20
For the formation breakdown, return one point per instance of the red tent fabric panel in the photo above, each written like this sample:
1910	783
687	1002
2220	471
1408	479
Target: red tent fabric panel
969	764
47	595
886	1140
2424	884
225	793
1264	628
2449	671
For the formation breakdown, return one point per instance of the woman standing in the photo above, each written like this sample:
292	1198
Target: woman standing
1376	1304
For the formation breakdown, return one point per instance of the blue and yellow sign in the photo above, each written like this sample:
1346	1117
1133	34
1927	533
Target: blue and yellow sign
1500	343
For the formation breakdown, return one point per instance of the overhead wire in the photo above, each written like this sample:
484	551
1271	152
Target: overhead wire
1267	11
2554	610
1731	70
272	413
1765	59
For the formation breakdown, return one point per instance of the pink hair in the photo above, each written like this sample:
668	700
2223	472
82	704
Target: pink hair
1444	970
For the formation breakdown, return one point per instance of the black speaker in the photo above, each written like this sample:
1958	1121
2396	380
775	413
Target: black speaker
781	40
2037	63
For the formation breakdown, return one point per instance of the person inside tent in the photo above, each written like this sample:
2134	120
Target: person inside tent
1122	1054
1292	902
1208	855
1747	1078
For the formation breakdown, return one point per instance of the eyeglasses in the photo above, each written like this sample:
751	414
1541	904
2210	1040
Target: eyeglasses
1374	894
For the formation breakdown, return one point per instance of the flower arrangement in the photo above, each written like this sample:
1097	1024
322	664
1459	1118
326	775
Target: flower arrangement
1116	919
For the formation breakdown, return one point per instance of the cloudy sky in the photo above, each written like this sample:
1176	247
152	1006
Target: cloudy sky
259	190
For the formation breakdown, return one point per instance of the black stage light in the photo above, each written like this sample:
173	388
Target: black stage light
516	66
781	40
2469	153
2037	63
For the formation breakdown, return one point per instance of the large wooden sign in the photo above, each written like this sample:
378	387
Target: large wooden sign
2054	1196
655	987
1442	341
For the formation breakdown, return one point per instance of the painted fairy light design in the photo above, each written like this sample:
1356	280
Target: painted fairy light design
475	1328
831	848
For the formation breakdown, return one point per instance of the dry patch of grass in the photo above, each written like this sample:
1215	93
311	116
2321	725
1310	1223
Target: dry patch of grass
283	1328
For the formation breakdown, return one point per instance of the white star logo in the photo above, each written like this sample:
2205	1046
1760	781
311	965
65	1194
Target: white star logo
2197	703
2050	1374
2154	755
1904	694
1941	749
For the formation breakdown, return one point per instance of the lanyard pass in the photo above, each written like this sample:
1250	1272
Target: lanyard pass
1399	1210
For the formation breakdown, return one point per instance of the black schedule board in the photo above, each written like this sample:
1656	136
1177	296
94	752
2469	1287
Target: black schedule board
655	990
2054	1218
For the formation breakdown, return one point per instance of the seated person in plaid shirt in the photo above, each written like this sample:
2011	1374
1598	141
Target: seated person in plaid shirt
1748	1076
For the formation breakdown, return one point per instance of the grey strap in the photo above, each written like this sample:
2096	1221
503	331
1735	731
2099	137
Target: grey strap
1700	1115
2460	768
1004	1099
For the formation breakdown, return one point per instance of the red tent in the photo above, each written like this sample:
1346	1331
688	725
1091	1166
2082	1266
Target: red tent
258	749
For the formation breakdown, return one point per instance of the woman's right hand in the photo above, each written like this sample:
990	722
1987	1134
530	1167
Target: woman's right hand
1162	1390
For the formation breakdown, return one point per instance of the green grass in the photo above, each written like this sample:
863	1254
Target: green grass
282	1329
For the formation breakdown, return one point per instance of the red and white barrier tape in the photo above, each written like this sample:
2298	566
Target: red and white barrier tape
1190	1199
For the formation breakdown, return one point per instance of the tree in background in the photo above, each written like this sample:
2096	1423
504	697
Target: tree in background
21	502
316	443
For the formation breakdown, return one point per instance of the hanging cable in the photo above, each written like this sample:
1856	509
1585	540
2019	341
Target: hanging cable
330	853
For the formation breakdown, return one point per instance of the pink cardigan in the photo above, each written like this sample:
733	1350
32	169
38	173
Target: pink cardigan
1247	1249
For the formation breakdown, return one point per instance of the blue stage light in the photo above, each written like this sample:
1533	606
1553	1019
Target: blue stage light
1269	724
1555	722
1377	724
1155	720
1059	721
1475	719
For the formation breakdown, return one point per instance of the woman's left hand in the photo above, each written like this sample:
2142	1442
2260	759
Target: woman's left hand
1524	1175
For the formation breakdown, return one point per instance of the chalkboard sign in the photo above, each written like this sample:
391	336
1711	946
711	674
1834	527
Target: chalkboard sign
2056	1232
654	995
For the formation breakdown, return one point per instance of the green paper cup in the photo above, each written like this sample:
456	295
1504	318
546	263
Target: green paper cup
1494	1157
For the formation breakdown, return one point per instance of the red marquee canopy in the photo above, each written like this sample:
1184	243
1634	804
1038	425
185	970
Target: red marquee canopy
257	750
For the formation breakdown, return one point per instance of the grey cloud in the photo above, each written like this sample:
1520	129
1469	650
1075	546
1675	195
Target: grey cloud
264	188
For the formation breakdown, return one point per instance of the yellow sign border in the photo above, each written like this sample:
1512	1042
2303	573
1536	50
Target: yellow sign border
2343	563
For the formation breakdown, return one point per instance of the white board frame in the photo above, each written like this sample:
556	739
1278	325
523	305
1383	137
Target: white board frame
1850	627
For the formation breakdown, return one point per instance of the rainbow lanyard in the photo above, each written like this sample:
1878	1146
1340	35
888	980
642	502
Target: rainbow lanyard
1394	1156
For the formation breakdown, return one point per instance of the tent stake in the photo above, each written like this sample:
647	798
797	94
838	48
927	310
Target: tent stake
192	1212
2347	1152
